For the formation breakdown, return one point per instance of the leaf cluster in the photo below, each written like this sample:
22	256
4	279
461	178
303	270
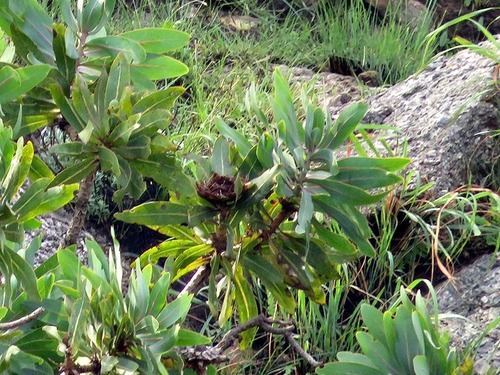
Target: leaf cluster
403	340
263	208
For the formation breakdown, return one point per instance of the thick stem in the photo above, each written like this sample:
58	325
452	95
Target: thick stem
80	212
287	209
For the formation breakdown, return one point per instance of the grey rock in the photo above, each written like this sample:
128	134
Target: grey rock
446	113
473	300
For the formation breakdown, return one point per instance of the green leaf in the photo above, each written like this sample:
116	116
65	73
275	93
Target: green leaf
191	259
70	264
345	368
161	99
316	254
130	182
120	135
39	169
190	338
30	123
241	142
161	144
175	312
407	346
265	149
92	16
306	211
345	124
388	164
31	198
158	40
13	264
250	167
378	354
220	158
114	45
35	24
341	249
77	321
155	213
169	176
373	320
262	268
3	311
75	173
137	148
354	225
27	77
390	331
367	178
292	132
65	64
343	193
168	248
139	288
421	365
18	169
314	127
355	358
179	232
326	157
67	109
109	161
84	103
86	133
200	214
67	15
71	148
118	79
158	297
258	188
246	304
9	79
161	67
161	343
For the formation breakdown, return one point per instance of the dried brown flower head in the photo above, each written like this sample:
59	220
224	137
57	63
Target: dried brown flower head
218	190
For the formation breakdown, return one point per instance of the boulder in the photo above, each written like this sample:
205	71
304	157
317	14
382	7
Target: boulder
447	113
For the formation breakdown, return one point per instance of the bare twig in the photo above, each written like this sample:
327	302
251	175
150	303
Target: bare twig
305	355
23	320
202	356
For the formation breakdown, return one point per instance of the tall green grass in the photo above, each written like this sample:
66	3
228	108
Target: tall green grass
383	44
224	62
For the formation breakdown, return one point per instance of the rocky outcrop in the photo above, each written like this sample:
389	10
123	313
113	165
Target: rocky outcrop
447	113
